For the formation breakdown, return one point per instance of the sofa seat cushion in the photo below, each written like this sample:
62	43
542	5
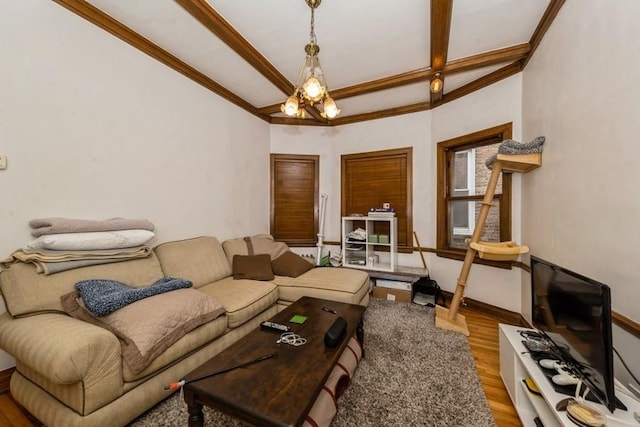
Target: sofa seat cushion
146	328
336	284
242	299
194	340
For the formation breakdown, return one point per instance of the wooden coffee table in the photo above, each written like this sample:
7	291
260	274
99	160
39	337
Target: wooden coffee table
277	391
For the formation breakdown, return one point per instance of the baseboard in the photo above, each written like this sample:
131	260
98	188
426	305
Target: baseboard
503	315
5	377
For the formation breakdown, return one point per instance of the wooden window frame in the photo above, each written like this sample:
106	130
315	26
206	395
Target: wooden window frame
445	150
407	214
304	158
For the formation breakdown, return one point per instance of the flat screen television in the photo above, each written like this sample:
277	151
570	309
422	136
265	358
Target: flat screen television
574	313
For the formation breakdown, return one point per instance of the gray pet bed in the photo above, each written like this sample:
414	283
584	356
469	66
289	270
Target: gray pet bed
509	146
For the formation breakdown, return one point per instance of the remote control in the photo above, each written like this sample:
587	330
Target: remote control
275	326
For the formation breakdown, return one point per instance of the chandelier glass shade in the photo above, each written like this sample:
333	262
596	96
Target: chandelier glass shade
311	87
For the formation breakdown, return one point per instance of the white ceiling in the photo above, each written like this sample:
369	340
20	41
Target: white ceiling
360	41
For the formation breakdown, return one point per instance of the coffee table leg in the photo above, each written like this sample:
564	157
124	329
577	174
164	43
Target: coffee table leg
360	334
196	418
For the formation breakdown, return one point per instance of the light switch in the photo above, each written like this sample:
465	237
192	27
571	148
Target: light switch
3	162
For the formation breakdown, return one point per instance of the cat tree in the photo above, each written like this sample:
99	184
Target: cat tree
499	251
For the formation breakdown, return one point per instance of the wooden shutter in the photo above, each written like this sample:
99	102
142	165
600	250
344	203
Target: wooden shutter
373	178
294	198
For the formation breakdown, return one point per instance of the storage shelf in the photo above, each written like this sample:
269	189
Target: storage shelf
357	254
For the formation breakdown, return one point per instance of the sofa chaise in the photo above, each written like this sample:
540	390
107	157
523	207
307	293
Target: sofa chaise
71	372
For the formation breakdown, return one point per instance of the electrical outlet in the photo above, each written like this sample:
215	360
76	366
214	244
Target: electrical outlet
3	162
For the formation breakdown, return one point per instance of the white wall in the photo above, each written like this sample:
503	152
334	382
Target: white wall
93	128
489	107
497	104
582	209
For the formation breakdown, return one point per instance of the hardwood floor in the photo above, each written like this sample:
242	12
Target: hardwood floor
483	340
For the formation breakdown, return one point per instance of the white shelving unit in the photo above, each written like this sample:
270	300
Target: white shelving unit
516	365
359	254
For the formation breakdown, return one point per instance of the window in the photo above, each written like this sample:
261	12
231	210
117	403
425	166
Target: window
373	178
462	182
294	198
463	218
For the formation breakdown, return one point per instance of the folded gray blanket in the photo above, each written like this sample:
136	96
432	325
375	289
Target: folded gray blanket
102	296
57	225
509	146
47	268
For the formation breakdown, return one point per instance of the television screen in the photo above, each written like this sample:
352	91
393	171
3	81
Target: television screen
574	312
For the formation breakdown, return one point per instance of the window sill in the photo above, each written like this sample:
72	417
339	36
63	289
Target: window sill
460	255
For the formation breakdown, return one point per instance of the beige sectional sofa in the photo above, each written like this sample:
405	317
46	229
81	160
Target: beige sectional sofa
71	373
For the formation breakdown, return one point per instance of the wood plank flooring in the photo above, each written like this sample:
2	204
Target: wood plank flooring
483	341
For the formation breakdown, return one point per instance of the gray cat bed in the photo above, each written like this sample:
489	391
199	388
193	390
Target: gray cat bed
509	146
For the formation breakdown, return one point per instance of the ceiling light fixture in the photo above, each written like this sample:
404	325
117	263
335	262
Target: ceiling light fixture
311	86
436	83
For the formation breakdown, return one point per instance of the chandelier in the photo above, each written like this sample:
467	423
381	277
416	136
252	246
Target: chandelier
311	87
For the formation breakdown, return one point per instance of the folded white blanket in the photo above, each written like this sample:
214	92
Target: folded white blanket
92	240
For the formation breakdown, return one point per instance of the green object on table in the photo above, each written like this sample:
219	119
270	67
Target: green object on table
298	318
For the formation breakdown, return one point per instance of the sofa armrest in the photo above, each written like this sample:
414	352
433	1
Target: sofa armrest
62	349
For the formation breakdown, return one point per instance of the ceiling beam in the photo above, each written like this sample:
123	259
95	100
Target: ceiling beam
107	23
440	25
483	81
481	60
487	59
389	112
202	11
544	24
390	82
440	28
292	121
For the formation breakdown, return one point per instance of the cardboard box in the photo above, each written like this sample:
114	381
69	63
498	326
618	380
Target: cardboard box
394	284
391	294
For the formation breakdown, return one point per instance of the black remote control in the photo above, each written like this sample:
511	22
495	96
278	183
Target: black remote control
275	326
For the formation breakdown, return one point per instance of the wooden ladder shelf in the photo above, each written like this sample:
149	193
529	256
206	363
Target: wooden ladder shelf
499	251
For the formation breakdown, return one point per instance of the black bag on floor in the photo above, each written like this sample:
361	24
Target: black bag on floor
429	287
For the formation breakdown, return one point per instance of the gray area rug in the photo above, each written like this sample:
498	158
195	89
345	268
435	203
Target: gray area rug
413	374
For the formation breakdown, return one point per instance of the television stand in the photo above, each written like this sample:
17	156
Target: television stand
517	363
567	390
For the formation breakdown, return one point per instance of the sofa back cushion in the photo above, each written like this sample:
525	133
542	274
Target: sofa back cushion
200	260
27	292
260	244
